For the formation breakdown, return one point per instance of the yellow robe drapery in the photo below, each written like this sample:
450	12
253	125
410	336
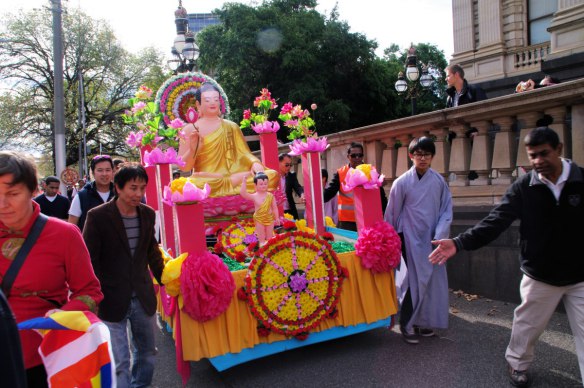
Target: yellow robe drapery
226	152
264	214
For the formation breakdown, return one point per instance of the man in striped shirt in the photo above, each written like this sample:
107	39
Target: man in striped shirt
120	238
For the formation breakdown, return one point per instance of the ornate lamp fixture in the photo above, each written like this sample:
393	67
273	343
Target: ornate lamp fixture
410	81
185	51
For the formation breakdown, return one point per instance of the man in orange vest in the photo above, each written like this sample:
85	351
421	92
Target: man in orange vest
346	204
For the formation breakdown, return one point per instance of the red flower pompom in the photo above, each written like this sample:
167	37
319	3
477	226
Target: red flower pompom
379	247
241	294
240	257
206	285
218	248
328	236
288	225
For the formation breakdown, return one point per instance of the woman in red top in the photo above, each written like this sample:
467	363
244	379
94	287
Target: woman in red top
57	272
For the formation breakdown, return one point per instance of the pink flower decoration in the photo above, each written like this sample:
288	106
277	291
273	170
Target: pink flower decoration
177	123
190	194
356	177
206	285
287	108
291	123
379	247
312	144
157	156
247	114
266	127
138	106
134	139
192	115
313	106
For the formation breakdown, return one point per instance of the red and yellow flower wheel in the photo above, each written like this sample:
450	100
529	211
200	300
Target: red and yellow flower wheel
293	283
237	237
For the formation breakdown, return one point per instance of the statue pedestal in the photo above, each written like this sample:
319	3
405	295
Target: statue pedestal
269	149
191	228
314	212
152	188
367	207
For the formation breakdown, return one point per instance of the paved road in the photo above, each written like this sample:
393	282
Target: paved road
469	354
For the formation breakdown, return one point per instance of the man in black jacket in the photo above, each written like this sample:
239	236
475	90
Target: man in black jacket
549	201
288	184
95	193
459	91
51	202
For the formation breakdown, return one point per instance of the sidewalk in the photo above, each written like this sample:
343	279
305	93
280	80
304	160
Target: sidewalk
469	354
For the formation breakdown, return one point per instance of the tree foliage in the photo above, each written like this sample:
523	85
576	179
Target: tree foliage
306	57
110	76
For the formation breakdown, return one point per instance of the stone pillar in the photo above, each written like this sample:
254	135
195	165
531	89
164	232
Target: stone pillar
403	159
559	125
527	121
490	29
463	26
566	28
504	152
578	134
481	153
374	153
389	161
459	156
442	158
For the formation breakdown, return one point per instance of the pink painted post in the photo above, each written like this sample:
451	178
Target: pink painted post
314	212
269	148
367	207
151	190
166	217
191	228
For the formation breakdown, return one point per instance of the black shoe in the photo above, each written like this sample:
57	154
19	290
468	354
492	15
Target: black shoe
424	332
518	377
410	338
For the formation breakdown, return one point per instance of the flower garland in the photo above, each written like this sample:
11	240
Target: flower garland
236	238
177	95
293	283
379	247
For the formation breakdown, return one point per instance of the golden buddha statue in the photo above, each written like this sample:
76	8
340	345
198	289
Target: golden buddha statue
216	151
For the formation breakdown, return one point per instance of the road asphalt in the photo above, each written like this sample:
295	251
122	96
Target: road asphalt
469	354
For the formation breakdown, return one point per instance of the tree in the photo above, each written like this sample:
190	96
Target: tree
111	75
301	56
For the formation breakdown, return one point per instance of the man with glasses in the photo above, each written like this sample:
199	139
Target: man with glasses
288	184
346	203
420	210
99	191
51	202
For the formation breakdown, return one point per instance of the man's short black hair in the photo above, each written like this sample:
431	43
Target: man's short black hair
98	159
423	143
282	156
52	179
260	176
118	161
354	145
540	136
324	173
21	166
128	172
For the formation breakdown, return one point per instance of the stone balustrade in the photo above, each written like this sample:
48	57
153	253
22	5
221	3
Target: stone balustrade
531	56
482	140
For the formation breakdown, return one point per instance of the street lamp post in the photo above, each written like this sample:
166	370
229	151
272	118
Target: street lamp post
185	51
412	74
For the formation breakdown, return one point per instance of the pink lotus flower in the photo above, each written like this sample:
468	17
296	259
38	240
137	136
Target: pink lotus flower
192	115
156	140
287	108
177	123
190	194
157	156
312	144
291	123
247	114
266	127
140	105
134	139
365	175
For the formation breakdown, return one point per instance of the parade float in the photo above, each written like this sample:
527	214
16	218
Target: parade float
229	299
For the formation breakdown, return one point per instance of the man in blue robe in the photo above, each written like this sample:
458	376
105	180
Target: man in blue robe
420	210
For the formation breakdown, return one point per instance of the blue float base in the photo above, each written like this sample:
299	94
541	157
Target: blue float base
229	360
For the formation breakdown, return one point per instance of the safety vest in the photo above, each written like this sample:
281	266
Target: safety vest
346	202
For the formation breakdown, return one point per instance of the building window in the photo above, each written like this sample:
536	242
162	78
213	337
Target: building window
540	13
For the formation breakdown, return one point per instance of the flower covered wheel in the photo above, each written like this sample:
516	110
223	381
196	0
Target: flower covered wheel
293	283
237	237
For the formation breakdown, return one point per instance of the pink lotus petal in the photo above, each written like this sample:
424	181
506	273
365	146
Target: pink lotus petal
356	178
157	156
312	144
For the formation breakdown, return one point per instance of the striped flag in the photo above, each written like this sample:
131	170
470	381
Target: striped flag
75	349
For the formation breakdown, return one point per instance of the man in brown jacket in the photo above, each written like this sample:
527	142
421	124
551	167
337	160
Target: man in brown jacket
120	238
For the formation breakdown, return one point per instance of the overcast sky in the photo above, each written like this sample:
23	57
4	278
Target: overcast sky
142	23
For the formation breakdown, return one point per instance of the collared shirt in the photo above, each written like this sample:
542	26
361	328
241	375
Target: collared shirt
559	185
283	188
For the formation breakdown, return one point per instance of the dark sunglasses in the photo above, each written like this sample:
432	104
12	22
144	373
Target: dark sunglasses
288	164
354	156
